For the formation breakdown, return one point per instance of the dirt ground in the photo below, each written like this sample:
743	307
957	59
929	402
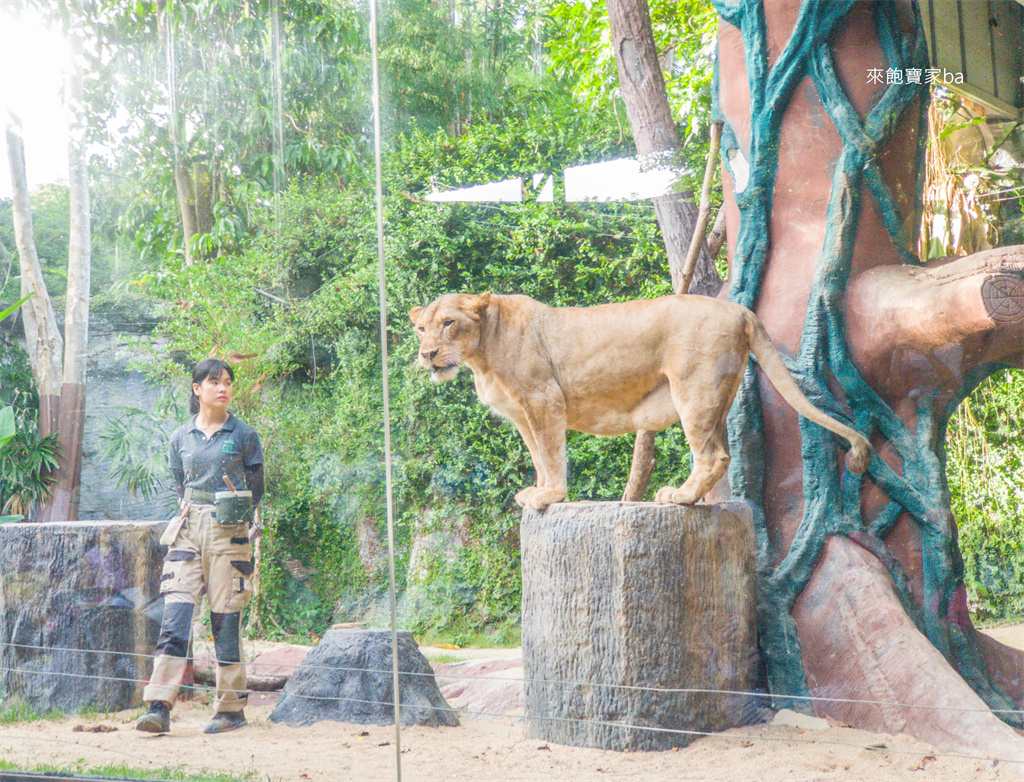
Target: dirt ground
483	748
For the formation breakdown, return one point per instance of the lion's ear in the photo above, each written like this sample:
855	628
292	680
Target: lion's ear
483	301
414	313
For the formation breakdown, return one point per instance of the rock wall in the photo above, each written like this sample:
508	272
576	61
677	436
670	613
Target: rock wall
111	384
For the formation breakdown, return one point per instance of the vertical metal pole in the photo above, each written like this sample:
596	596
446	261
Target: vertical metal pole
276	44
384	378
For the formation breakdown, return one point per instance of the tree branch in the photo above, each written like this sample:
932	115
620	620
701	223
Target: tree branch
961	313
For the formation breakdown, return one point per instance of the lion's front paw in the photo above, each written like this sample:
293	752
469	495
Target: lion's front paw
679	496
664	494
537	498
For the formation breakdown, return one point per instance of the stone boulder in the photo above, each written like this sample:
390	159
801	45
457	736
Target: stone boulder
348	678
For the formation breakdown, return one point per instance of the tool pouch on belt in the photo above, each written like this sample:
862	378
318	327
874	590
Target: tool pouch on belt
174	526
233	507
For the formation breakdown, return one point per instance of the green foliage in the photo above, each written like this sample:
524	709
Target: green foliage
26	460
227	67
26	463
448	69
13	308
579	48
7	426
985	459
50	214
14	710
580	53
50	219
974	194
121	771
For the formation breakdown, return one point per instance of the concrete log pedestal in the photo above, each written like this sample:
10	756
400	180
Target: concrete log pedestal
79	612
626	607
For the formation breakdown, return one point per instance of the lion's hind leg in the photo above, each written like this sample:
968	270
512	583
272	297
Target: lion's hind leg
703	422
710	461
538	497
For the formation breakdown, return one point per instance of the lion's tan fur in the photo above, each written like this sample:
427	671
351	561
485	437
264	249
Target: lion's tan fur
608	370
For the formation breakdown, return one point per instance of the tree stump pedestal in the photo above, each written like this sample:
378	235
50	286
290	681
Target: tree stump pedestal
80	612
639	628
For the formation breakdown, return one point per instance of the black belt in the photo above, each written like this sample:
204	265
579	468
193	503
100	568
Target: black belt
202	497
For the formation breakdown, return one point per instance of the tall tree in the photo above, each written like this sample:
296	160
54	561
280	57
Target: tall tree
657	143
43	339
71	427
60	380
654	131
225	101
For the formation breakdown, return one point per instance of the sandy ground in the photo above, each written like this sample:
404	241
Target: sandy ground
482	748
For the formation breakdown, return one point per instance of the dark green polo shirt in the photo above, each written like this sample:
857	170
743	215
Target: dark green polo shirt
200	463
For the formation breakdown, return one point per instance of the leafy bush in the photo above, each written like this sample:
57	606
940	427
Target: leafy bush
136	442
986	460
26	460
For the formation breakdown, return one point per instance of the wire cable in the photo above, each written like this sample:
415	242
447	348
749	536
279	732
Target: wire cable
608	724
444	676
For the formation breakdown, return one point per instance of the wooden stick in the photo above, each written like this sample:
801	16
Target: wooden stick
704	210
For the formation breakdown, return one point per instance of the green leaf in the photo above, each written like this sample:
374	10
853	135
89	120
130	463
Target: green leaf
13	307
7	426
953	128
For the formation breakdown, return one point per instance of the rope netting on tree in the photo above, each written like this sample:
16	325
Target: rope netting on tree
823	366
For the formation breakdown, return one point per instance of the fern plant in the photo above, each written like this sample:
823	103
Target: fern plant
136	444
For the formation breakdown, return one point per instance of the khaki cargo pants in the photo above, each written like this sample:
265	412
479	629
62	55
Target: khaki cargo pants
217	559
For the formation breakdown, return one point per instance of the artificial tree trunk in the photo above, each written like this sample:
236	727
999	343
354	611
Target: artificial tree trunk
861	595
638	624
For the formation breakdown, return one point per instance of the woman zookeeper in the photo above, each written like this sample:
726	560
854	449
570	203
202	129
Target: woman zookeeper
217	465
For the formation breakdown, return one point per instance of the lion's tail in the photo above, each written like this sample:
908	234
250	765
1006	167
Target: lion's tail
778	373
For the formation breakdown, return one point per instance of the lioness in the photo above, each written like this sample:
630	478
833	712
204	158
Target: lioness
608	370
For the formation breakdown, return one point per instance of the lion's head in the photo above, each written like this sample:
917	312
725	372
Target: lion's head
449	332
